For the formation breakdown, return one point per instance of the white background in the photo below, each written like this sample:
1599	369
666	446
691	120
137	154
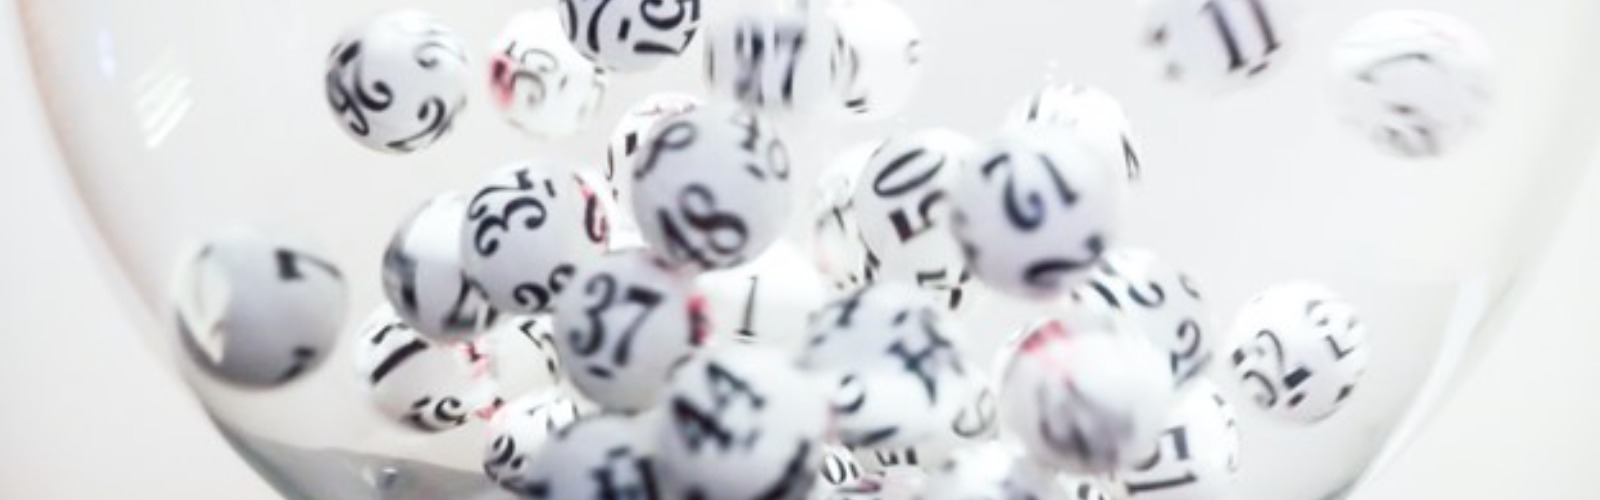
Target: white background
90	413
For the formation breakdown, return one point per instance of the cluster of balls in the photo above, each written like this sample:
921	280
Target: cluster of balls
705	357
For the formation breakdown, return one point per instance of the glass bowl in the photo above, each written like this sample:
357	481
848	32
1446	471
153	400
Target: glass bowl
180	117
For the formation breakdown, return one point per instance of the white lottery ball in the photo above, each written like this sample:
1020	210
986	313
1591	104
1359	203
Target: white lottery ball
632	131
422	274
623	324
741	421
1085	394
601	456
525	232
630	35
772	61
1034	211
522	357
427	386
766	301
256	310
540	83
396	83
902	207
1093	115
994	470
877	57
711	189
897	361
836	243
1196	458
1219	45
518	431
1413	82
1162	301
1299	351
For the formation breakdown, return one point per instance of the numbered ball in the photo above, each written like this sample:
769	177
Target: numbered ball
540	83
1299	351
396	83
630	35
622	326
711	190
1196	458
522	355
991	470
766	301
1161	301
835	235
1035	211
426	386
877	57
600	456
897	362
772	61
520	429
526	231
903	213
632	131
1084	393
422	274
740	422
1220	44
1413	82
256	310
1092	115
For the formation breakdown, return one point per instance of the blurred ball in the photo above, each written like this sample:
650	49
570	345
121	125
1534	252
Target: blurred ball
766	301
897	362
772	61
630	35
538	81
740	422
600	456
1413	82
1196	458
396	82
255	310
711	189
1084	393
520	429
522	355
1220	44
1299	351
526	231
904	216
1162	301
633	130
1092	115
429	387
835	235
974	423
877	57
422	275
626	321
1034	212
992	470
